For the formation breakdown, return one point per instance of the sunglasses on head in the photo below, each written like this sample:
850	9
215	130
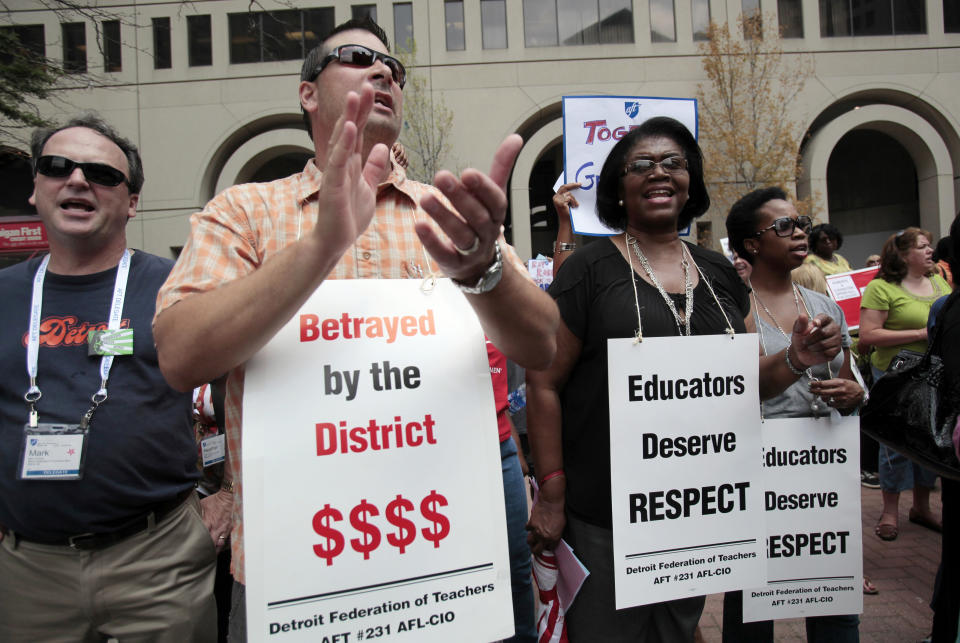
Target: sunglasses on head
784	226
671	164
360	56
59	167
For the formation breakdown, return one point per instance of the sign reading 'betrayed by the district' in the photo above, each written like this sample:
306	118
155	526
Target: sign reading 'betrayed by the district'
684	446
812	498
373	500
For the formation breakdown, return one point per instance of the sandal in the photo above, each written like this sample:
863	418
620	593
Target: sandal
918	518
886	531
869	588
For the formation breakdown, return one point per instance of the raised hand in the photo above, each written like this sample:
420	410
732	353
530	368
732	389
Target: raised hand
472	228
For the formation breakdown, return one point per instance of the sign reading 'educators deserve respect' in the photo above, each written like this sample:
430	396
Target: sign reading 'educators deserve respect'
811	477
373	500
684	445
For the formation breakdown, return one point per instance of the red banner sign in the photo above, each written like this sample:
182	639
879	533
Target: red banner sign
22	234
847	288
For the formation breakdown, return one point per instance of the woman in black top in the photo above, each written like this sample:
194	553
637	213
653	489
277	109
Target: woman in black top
651	186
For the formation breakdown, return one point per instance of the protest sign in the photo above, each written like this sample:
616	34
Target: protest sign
847	288
373	498
685	483
814	554
592	125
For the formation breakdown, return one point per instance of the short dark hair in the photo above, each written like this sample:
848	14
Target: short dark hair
93	121
609	209
318	53
825	230
744	216
892	266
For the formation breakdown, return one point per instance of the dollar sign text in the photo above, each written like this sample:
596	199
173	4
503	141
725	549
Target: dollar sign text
441	526
322	524
371	535
406	530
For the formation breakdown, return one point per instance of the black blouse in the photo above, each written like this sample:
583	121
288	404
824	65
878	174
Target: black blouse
596	302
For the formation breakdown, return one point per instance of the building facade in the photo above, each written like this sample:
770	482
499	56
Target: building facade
208	90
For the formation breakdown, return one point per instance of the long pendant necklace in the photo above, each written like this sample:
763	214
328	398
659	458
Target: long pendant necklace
683	323
817	405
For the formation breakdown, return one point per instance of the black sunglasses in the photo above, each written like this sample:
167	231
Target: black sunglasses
361	56
59	167
671	164
784	226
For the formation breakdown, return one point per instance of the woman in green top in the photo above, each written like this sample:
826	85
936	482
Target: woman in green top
893	316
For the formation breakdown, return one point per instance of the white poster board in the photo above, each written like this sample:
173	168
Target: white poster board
373	497
592	125
685	482
814	543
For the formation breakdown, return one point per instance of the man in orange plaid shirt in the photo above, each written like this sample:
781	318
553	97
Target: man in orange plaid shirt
258	251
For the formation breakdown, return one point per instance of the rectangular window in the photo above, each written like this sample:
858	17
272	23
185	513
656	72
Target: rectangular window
29	38
616	21
790	16
547	23
951	16
700	17
663	26
199	42
873	17
276	35
493	23
358	11
403	26
111	46
909	17
577	22
453	17
161	44
753	18
540	23
74	47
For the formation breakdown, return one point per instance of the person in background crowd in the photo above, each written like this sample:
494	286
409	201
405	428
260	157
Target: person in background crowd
825	240
563	200
943	258
102	534
258	251
811	278
893	316
651	186
945	313
743	268
764	227
872	260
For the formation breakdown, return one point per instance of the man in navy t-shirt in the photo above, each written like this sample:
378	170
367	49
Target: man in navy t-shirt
101	530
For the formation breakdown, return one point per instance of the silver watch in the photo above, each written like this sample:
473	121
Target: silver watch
489	279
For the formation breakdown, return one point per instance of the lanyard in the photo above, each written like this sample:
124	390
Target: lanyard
33	344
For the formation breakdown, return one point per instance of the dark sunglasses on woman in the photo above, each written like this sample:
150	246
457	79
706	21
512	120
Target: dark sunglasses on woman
360	56
784	226
59	167
670	164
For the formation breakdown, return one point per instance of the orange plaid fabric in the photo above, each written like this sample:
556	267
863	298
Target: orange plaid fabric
247	224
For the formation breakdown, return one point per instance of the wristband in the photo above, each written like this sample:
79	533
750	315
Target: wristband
563	246
793	369
551	476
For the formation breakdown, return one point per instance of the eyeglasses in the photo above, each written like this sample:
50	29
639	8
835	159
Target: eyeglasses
784	226
360	56
671	164
59	167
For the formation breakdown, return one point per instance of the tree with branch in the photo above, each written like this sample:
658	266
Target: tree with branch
749	137
427	122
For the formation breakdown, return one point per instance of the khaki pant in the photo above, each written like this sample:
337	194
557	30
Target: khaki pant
154	586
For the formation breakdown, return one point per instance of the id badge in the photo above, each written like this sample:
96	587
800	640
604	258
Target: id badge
110	342
52	452
213	450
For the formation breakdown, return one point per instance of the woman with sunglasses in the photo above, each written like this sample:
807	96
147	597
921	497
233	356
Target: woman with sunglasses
764	227
893	316
825	240
651	186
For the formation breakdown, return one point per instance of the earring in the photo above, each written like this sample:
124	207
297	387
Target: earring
756	250
620	203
